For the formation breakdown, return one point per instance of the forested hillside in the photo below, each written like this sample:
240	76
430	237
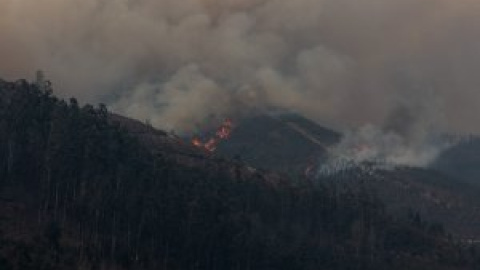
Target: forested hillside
79	190
435	196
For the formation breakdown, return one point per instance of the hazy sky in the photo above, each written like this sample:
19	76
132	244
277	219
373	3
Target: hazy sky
403	64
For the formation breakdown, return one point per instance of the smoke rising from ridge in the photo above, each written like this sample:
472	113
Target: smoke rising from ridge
381	149
341	62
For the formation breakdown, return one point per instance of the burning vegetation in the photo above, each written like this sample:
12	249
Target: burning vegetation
223	132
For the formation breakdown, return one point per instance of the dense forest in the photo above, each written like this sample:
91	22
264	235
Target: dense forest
78	191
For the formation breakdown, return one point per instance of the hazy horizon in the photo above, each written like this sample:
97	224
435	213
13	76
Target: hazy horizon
404	65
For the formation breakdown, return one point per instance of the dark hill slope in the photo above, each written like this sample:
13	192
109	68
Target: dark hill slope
182	152
80	192
433	195
286	143
462	161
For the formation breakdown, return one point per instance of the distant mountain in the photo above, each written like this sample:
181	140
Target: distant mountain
286	143
461	161
81	188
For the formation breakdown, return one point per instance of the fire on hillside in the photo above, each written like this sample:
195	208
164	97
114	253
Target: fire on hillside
223	132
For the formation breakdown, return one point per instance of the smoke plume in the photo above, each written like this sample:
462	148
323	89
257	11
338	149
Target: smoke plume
377	148
406	66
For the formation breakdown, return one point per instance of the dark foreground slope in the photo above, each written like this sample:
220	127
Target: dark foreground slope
81	189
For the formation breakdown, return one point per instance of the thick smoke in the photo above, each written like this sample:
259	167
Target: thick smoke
409	136
343	63
375	148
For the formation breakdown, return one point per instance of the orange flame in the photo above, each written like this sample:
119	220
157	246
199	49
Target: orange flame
211	145
225	129
222	133
197	142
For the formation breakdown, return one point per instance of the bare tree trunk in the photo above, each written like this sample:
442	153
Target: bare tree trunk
165	257
10	157
139	234
56	201
65	204
114	239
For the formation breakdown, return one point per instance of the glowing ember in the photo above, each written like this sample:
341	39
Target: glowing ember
222	133
211	144
196	141
225	129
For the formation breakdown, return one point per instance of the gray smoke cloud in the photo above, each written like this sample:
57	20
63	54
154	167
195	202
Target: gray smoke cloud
370	147
409	136
406	66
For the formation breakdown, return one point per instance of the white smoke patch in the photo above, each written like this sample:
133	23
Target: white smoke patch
176	62
378	148
411	135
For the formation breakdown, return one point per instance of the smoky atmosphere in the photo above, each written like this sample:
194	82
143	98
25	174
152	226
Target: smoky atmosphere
239	134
